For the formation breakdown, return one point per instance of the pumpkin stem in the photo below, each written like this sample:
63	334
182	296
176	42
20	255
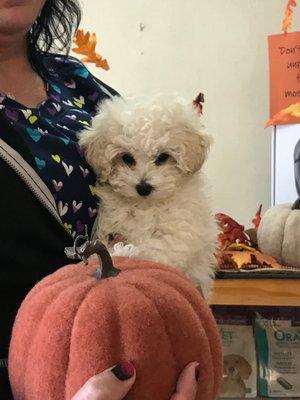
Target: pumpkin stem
296	205
108	270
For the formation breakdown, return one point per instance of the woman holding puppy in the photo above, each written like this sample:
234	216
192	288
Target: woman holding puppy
46	185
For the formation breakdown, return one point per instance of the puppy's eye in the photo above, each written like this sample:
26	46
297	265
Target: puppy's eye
161	158
128	159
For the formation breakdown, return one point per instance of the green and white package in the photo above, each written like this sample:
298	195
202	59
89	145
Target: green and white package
240	367
278	348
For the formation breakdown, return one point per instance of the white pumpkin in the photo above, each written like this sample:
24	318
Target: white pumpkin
279	234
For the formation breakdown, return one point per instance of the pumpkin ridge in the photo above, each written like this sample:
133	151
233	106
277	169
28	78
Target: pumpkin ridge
142	293
283	236
144	287
96	287
84	297
59	294
191	300
268	239
288	245
117	318
67	279
205	327
29	299
197	309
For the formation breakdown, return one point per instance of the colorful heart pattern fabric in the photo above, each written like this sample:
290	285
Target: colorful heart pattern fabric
50	131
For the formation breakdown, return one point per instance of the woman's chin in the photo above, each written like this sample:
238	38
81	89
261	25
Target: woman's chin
17	18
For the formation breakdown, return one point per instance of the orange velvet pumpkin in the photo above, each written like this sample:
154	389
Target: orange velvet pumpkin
73	325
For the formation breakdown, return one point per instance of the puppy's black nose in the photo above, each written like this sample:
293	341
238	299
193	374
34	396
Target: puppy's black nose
144	188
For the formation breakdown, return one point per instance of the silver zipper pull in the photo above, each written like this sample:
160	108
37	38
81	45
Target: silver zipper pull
77	251
105	269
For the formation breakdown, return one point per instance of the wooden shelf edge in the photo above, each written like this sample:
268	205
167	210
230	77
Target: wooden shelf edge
256	292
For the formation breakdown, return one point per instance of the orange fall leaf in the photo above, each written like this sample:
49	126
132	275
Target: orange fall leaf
86	45
266	260
290	115
247	260
256	220
287	21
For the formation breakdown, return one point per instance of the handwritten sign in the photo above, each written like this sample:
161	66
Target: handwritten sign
284	60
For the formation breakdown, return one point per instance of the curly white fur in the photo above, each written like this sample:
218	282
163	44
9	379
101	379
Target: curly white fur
173	224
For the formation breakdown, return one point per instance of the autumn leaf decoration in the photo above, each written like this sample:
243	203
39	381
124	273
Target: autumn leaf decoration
287	21
237	250
86	45
231	231
247	260
290	115
256	220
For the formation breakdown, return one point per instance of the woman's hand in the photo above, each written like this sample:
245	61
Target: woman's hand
187	384
115	383
111	384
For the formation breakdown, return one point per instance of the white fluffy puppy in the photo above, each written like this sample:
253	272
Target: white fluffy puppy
147	155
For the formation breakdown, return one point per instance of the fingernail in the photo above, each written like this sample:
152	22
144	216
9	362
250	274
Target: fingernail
123	371
197	373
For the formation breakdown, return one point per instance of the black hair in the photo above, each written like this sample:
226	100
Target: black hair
53	30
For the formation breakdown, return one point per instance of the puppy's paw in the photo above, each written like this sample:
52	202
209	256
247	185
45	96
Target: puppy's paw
121	250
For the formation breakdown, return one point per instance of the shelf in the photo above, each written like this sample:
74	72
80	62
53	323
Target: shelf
257	292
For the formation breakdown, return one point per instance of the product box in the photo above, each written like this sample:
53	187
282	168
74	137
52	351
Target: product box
239	366
278	350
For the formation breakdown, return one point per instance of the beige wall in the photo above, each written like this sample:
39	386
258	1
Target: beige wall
218	47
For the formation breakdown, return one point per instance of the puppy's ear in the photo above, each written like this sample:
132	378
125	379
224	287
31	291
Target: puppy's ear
244	368
98	141
191	151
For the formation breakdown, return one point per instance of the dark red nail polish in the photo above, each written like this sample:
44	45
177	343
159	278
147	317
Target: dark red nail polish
197	373
123	371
